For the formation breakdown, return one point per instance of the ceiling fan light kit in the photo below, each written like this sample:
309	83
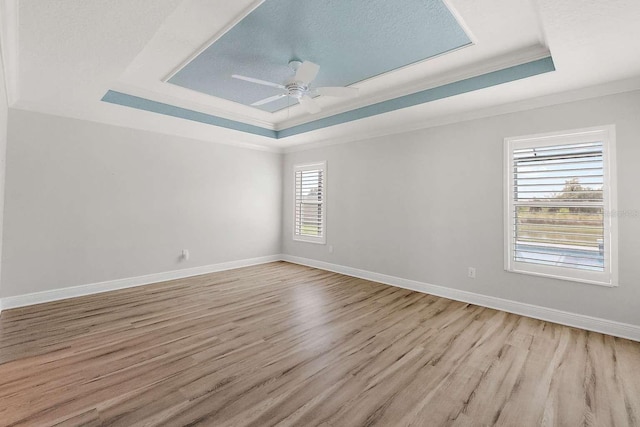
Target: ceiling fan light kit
299	87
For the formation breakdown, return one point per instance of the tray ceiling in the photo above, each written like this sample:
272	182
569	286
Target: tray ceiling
64	57
351	40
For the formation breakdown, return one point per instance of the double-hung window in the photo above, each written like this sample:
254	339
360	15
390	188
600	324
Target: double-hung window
560	205
309	223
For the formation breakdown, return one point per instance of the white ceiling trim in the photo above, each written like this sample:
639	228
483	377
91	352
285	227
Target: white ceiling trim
513	59
461	21
214	39
152	122
612	88
132	118
523	56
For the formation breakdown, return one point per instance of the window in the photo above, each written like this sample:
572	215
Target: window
309	200
560	201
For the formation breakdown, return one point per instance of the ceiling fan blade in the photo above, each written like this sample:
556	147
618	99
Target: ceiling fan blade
258	81
268	100
307	72
309	104
340	92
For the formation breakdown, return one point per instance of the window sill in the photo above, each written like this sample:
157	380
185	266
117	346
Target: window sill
606	284
316	240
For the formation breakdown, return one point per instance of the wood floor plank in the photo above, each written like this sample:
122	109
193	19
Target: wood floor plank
287	345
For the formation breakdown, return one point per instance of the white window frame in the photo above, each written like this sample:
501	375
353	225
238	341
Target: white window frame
606	134
305	167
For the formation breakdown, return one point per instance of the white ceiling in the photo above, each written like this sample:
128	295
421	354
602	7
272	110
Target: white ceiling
63	55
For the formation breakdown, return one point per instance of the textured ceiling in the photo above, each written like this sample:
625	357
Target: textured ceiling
351	40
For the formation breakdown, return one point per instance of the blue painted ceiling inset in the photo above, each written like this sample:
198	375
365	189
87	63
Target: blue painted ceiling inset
351	41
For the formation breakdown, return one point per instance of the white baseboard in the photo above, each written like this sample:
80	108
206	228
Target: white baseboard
112	285
609	327
595	324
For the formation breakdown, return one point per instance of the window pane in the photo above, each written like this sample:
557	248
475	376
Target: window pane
558	216
309	202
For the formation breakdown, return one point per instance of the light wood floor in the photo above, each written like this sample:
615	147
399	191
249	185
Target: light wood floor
281	344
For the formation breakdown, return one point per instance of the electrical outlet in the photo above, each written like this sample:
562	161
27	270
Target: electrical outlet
472	273
185	254
330	249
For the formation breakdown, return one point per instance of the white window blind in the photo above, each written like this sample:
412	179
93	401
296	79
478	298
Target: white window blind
309	202
559	205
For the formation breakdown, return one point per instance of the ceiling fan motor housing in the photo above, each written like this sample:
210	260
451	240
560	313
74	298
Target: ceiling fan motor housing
296	89
294	64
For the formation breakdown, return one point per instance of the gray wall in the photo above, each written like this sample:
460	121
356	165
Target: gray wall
4	111
88	202
428	204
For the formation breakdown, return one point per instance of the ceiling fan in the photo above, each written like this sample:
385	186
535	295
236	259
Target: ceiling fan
299	87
